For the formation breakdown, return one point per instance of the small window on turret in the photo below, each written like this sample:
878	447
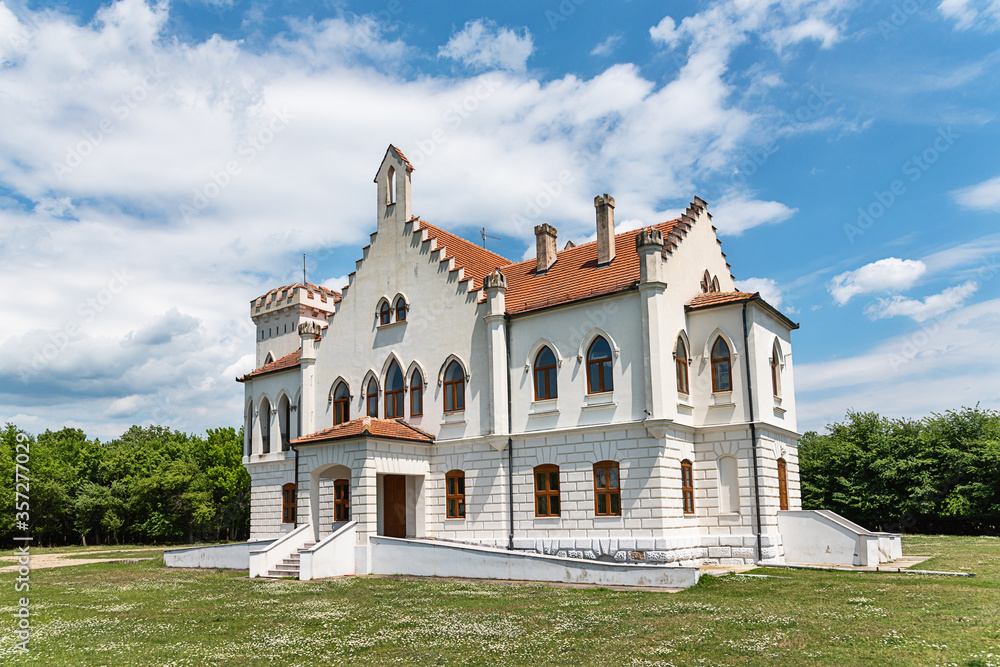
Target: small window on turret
390	191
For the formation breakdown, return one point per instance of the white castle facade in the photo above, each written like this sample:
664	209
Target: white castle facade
615	401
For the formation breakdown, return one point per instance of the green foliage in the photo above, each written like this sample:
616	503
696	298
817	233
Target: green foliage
939	474
150	485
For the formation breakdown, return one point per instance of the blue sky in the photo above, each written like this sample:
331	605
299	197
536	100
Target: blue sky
162	164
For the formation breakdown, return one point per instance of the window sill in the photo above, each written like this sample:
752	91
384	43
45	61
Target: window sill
544	407
779	411
454	418
605	399
454	518
684	407
391	325
722	399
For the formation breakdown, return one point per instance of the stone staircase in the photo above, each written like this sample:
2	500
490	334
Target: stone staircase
290	566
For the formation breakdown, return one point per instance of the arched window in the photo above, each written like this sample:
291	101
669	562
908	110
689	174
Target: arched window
400	310
776	369
782	484
288	503
298	418
285	422
394	392
607	492
390	187
248	431
729	486
265	426
341	404
545	375
454	387
342	500
706	282
681	365
455	494
268	359
416	394
687	486
372	396
721	380
599	367
547	490
384	313
715	283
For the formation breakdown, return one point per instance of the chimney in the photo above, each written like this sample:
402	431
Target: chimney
605	206
545	247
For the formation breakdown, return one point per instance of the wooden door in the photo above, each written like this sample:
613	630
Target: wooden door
394	506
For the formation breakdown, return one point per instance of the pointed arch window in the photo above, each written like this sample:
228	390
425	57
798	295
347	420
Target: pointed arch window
372	398
681	365
706	282
782	484
390	187
400	310
715	283
545	375
416	394
454	387
599	377
265	426
341	404
776	370
687	486
394	392
384	313
721	366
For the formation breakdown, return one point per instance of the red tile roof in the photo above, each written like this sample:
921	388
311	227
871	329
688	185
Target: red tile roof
717	298
402	157
324	293
576	276
392	429
285	363
477	262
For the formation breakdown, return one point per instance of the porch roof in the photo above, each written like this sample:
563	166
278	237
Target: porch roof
392	429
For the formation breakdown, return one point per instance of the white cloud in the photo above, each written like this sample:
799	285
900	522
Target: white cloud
885	275
768	289
607	46
984	196
665	32
969	14
737	212
483	45
811	28
923	310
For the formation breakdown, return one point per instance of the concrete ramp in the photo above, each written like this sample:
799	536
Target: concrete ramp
822	537
218	556
430	558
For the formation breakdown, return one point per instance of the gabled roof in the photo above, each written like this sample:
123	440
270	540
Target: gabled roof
287	362
477	262
576	276
391	429
714	299
399	153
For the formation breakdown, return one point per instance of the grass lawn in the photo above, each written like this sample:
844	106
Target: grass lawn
121	614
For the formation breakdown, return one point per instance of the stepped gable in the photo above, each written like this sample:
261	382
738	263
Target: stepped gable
712	299
576	275
392	429
475	262
282	364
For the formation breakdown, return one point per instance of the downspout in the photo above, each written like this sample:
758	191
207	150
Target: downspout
510	438
753	429
296	450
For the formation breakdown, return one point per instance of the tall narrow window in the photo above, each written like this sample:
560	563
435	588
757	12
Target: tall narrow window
545	375
687	486
455	482
394	392
342	500
729	486
341	404
706	281
416	394
372	397
384	313
298	419
286	422
607	494
782	484
681	365
715	283
265	426
776	370
454	387
400	310
547	490
721	380
288	503
390	187
599	367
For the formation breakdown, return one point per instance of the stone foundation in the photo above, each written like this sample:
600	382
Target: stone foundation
684	551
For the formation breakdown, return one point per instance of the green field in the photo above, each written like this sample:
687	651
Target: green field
128	614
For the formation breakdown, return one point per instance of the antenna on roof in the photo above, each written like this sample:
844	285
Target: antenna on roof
303	268
482	232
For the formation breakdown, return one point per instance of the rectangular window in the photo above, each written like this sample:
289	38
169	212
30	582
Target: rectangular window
687	486
288	503
607	493
547	490
342	500
455	482
416	399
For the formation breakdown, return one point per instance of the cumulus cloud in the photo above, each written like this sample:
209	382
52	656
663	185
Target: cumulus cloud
885	275
983	196
481	44
768	289
665	32
738	212
922	310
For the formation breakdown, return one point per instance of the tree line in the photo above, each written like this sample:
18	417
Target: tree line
151	485
940	474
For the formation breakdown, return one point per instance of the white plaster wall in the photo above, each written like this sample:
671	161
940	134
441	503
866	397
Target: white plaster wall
266	480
